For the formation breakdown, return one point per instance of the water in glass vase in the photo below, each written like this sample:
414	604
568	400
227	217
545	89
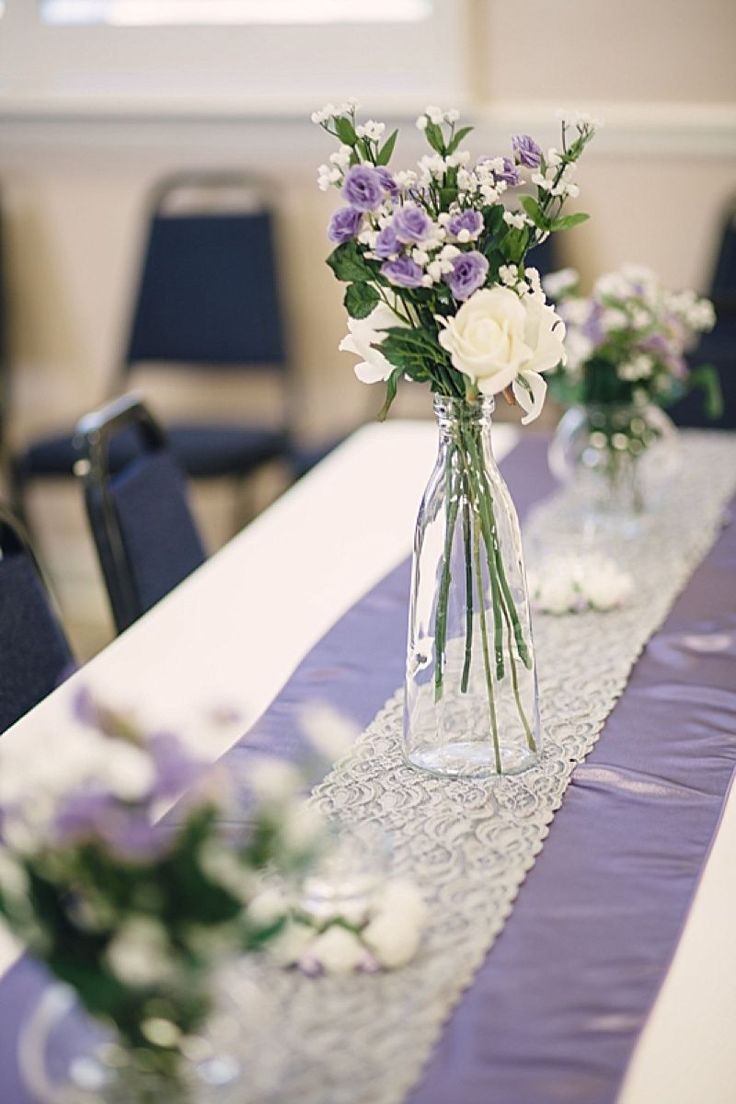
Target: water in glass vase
471	693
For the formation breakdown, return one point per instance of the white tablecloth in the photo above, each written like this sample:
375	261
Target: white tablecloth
233	632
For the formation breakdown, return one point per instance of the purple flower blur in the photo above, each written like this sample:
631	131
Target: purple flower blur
344	224
411	223
526	151
509	174
96	816
175	768
387	244
387	181
469	271
469	220
404	271
363	187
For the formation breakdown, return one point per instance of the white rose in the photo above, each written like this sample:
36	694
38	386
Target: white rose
337	950
393	939
363	335
498	340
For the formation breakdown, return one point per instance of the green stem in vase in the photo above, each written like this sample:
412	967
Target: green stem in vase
531	742
494	553
487	524
467	523
452	490
486	653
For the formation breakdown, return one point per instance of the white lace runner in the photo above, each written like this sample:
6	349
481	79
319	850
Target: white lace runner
364	1039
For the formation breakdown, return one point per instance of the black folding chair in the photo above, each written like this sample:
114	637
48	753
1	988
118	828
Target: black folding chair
136	500
719	346
208	297
34	653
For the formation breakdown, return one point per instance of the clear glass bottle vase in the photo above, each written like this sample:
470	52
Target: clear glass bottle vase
471	692
620	459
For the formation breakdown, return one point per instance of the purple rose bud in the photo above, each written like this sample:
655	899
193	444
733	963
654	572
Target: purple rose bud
363	187
387	244
387	181
469	271
411	223
405	272
526	151
344	224
509	174
472	221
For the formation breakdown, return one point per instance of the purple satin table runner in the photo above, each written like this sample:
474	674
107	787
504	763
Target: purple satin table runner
554	1013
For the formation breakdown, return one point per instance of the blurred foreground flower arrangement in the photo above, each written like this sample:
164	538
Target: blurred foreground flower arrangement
141	916
132	914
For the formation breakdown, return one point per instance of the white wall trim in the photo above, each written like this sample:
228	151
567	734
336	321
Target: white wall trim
641	128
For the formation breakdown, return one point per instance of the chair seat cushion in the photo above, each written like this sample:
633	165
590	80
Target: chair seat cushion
221	449
201	450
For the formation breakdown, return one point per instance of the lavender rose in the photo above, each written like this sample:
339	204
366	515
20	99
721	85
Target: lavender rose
509	173
344	224
405	272
363	187
387	181
412	223
387	244
526	151
469	271
466	226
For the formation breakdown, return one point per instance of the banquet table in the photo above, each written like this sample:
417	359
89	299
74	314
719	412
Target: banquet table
614	977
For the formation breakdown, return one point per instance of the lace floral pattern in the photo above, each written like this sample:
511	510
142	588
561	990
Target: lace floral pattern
469	845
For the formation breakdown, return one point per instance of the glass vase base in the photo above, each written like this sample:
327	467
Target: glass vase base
469	760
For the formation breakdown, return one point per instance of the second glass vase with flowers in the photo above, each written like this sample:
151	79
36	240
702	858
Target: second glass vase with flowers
626	360
439	292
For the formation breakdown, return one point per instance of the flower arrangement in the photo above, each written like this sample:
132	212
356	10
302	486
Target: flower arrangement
627	341
626	346
434	258
380	931
575	583
133	914
439	292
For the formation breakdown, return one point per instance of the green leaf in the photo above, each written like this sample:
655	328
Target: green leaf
462	133
435	138
392	384
360	299
566	222
707	380
534	212
345	130
387	149
348	264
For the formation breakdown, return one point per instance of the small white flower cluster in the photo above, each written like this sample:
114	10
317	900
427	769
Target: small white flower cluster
330	111
436	115
384	934
638	367
555	180
567	584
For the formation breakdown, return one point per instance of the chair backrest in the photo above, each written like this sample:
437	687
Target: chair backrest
143	529
34	653
209	291
723	283
3	339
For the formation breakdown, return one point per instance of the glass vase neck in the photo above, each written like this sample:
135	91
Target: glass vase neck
452	414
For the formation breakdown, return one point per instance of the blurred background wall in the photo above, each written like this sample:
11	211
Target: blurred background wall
90	117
